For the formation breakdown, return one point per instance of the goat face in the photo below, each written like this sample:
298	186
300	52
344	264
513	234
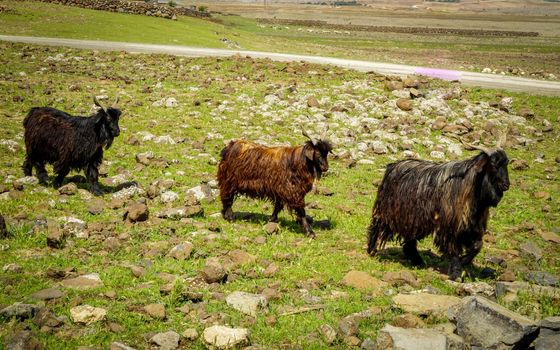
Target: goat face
317	155
496	178
112	121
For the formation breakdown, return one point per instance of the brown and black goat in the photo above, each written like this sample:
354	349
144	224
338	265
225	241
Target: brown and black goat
450	200
284	175
68	142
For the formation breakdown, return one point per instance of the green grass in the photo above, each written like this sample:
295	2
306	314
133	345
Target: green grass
320	263
470	53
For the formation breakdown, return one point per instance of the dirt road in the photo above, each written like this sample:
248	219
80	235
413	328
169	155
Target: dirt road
537	87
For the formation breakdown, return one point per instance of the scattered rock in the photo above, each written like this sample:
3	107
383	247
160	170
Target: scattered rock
394	338
541	278
168	197
69	189
519	164
55	238
213	271
22	340
328	333
166	341
408	321
531	250
222	337
88	281
397	278
542	195
48	294
404	104
425	303
550	236
87	314
19	310
46	318
549	336
485	324
96	206
181	251
137	212
181	213
313	102
190	334
362	280
246	303
156	311
368	344
509	290
120	346
474	288
271	228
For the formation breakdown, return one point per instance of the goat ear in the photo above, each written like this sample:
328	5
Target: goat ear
309	152
481	163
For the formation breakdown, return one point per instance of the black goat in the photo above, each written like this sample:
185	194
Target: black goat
68	142
450	200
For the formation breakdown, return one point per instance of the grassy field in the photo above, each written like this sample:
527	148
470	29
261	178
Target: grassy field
539	55
222	99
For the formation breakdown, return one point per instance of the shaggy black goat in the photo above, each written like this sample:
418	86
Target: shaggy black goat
69	142
283	175
450	200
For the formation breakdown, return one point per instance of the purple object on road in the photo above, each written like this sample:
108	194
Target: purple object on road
439	73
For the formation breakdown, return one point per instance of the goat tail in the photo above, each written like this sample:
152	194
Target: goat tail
378	234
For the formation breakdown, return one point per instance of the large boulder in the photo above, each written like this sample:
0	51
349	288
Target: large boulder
483	323
549	337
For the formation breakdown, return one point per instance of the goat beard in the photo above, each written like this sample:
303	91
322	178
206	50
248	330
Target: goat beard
317	172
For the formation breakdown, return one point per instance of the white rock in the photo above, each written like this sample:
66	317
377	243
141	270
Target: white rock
168	197
222	337
165	139
167	340
437	155
247	303
87	314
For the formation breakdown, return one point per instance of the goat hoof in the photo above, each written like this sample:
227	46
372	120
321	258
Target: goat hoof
311	235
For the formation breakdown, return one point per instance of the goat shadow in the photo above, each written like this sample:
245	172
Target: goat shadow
291	224
82	183
434	261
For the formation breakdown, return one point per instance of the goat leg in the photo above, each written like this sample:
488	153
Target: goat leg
60	175
278	206
302	218
455	268
411	252
92	175
227	203
27	167
471	251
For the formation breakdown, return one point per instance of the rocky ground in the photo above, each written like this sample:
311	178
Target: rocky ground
151	263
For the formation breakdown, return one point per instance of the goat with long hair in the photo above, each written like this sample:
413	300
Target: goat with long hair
68	142
283	175
450	200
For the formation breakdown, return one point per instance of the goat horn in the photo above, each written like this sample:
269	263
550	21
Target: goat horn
114	105
99	104
304	133
470	146
324	133
502	139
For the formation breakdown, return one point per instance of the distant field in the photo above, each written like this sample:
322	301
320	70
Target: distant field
536	57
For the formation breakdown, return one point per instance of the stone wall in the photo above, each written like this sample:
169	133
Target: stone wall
134	7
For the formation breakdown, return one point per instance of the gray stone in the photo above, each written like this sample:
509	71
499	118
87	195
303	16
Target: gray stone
541	278
88	281
368	344
271	228
68	189
181	251
328	333
509	290
425	303
394	338
397	278
55	238
96	206
552	323
46	318
531	250
166	341
48	294
137	212
246	303
222	337
87	314
22	340
168	197
485	324
190	334
363	280
19	310
181	213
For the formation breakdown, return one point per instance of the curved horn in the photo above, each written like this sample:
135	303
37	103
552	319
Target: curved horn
324	133
114	105
304	133
502	139
99	104
471	147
